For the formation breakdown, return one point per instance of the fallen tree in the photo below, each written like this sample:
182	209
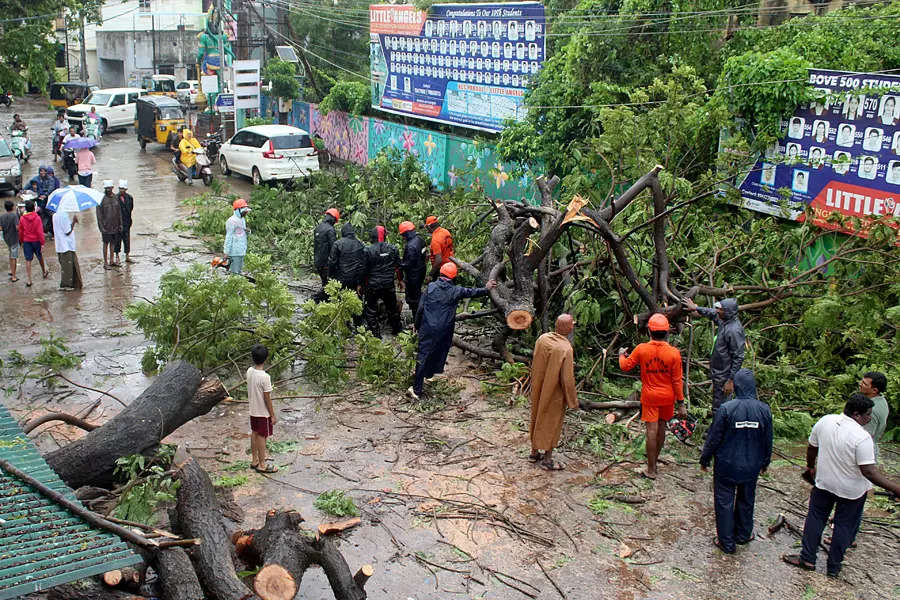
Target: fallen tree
176	396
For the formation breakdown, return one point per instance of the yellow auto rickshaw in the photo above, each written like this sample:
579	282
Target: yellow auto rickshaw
64	94
159	85
157	118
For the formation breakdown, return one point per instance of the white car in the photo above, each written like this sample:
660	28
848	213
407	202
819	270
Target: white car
188	92
115	106
269	153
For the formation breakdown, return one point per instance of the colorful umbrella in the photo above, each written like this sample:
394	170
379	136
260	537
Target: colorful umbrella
80	143
74	198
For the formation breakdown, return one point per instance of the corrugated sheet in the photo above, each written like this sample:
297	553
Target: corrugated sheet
42	544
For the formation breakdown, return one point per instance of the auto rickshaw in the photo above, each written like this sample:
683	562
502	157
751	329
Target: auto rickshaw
157	118
159	85
64	94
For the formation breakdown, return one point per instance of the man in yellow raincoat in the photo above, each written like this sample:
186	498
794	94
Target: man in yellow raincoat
187	146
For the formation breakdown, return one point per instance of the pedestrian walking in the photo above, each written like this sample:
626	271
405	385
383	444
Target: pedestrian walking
64	238
347	261
840	459
728	350
740	440
441	246
873	386
126	203
661	385
323	241
31	237
382	262
262	413
236	233
85	159
412	265
435	321
9	223
109	221
552	390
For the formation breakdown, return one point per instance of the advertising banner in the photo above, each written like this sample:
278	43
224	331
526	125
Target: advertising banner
462	64
840	156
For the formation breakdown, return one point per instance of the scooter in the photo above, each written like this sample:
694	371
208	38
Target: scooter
92	129
6	99
57	144
69	164
19	144
204	168
23	196
213	144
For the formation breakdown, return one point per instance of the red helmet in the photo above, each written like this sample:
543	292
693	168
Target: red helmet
449	270
239	203
432	220
405	226
334	213
658	322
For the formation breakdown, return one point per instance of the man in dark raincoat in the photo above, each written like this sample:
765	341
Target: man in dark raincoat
740	439
728	351
347	261
382	261
323	241
412	265
435	320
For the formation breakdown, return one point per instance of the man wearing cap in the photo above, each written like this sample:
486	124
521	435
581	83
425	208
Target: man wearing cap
552	390
661	385
412	265
236	233
382	260
441	246
435	321
109	221
728	349
126	203
323	240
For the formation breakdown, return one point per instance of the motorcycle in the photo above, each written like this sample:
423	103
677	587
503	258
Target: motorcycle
213	145
69	164
204	168
23	196
6	99
57	144
92	129
19	144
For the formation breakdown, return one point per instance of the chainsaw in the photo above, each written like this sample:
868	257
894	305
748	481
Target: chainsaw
225	263
682	428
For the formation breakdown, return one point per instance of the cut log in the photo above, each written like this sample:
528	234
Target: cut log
178	395
176	575
519	319
89	589
126	577
338	526
273	582
362	576
199	516
621	404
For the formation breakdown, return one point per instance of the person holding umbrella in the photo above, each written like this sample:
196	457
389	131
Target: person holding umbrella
109	221
72	199
84	158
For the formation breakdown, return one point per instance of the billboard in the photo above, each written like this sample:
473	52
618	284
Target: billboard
840	155
462	64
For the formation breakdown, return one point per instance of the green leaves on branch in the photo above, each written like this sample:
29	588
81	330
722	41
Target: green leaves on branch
282	76
353	97
326	331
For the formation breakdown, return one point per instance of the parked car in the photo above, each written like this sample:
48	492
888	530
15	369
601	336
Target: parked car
269	153
10	169
114	105
188	93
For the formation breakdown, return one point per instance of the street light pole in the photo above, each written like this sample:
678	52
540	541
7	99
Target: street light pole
84	69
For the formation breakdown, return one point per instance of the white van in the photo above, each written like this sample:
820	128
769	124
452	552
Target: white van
115	106
269	153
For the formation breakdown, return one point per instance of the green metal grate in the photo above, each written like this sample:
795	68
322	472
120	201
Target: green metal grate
42	544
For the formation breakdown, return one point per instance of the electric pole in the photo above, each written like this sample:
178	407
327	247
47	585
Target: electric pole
220	15
84	69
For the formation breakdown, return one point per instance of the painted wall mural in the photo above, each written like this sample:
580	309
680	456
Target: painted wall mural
429	147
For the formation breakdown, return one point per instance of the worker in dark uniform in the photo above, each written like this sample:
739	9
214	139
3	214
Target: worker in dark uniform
382	262
323	240
412	265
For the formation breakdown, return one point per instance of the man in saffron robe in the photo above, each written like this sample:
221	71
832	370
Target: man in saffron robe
552	390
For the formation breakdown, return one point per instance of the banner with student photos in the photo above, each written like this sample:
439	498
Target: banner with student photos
462	64
839	155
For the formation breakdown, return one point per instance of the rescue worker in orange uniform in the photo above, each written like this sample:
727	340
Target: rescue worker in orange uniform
441	246
662	385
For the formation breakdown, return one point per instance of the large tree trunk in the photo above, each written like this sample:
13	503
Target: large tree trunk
176	575
178	395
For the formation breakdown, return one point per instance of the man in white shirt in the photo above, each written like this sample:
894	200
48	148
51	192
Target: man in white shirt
64	237
840	459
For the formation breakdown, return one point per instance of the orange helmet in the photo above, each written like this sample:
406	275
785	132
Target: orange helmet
658	322
405	226
334	213
239	203
449	270
432	220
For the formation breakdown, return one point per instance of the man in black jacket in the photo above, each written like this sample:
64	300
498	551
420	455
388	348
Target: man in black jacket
382	260
740	439
323	241
728	353
347	261
126	203
412	266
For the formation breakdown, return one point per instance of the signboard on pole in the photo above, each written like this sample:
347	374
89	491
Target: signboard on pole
209	84
840	156
246	83
225	103
462	64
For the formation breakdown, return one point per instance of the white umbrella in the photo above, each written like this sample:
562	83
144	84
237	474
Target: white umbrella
74	198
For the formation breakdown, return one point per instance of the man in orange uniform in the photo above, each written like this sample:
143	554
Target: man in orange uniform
441	246
661	385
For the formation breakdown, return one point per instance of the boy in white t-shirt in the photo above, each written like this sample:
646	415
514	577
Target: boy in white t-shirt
262	415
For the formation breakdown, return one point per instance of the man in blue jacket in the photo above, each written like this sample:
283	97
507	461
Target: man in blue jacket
728	351
740	439
435	321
